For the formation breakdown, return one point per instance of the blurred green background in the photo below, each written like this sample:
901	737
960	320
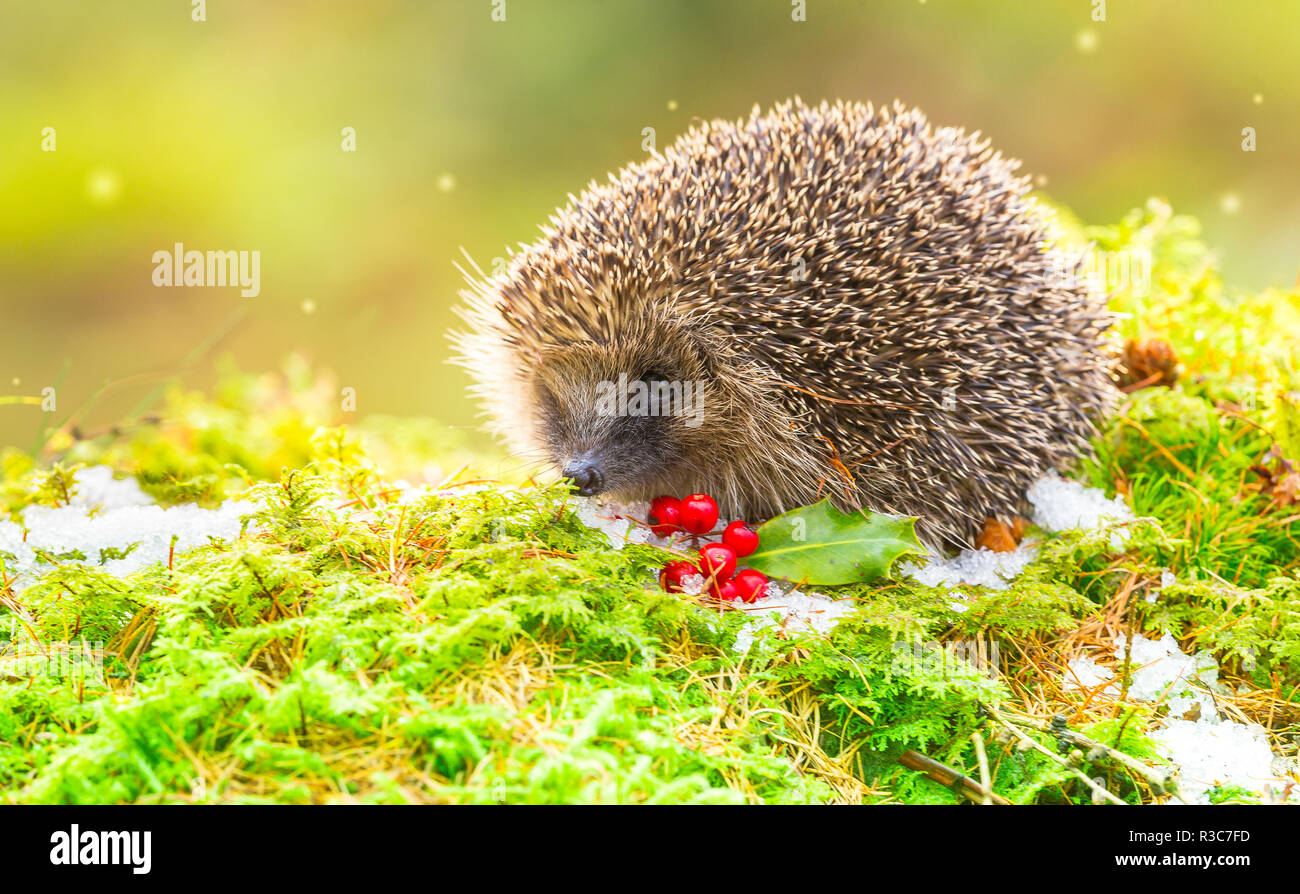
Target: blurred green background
226	135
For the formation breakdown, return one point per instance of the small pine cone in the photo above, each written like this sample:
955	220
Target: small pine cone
1148	362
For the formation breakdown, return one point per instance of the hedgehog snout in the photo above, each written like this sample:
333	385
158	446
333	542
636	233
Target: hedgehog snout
586	474
619	457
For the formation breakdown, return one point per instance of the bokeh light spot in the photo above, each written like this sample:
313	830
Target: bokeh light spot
103	186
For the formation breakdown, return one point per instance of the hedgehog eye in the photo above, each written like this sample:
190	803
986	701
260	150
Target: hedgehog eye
654	375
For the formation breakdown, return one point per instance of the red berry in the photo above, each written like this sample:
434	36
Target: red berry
672	575
664	515
740	537
751	585
698	513
717	561
726	591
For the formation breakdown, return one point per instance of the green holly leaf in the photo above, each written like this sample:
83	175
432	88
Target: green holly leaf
820	545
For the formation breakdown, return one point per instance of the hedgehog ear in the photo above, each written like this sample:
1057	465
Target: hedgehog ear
685	344
704	348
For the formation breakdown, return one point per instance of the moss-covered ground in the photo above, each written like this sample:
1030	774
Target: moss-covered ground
477	644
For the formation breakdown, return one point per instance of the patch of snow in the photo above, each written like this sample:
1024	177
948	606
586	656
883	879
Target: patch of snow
108	514
623	523
1160	670
785	607
1064	505
1212	752
971	567
1206	749
601	516
409	494
1058	505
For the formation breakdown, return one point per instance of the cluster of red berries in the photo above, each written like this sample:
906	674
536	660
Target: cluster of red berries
697	514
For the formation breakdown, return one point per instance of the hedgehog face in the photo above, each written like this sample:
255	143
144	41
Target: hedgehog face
617	419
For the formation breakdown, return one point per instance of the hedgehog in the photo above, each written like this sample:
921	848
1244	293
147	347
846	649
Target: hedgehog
837	301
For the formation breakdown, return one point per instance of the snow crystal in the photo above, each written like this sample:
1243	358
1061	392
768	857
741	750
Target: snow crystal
1063	505
972	567
600	516
619	522
96	487
1084	673
693	584
788	609
1166	579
